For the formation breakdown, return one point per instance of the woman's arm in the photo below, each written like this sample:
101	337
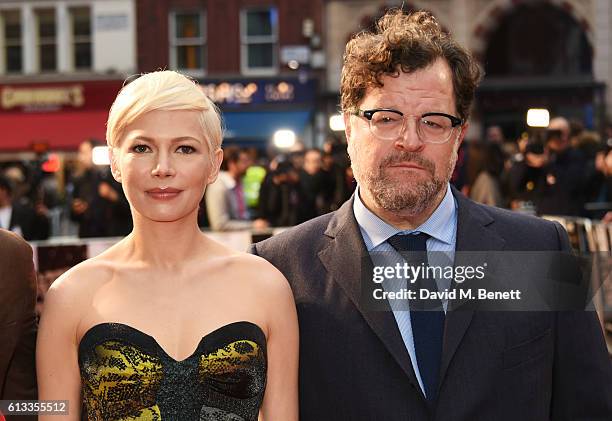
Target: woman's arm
56	352
281	397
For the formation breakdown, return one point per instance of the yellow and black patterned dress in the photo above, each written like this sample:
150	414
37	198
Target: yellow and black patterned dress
126	375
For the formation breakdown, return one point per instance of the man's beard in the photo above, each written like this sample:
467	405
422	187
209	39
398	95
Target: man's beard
409	196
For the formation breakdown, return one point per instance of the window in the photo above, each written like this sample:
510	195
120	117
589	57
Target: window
188	42
80	19
13	52
259	29
47	47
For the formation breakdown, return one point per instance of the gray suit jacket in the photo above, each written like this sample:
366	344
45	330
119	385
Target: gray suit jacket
495	365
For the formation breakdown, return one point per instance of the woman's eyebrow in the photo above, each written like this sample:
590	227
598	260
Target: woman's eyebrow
145	138
182	138
174	140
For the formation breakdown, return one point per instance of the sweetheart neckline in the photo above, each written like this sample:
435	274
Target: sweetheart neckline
89	331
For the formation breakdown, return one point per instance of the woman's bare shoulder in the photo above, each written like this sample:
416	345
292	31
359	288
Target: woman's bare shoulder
91	273
258	273
75	287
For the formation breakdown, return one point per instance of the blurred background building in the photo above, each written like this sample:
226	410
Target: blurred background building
262	62
61	65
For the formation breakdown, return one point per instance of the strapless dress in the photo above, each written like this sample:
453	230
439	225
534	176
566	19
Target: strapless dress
127	375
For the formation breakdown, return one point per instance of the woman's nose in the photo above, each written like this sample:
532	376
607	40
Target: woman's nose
164	166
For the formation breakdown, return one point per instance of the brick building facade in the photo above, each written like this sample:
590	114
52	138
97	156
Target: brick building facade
261	61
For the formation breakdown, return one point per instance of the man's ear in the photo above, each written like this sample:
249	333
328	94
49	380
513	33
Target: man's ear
216	164
464	130
347	125
112	157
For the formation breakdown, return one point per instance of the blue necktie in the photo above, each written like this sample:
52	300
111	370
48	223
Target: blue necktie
427	325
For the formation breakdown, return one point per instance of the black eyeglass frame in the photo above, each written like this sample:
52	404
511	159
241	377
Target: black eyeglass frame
368	114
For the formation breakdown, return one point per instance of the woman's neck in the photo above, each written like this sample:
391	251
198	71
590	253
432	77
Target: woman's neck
164	245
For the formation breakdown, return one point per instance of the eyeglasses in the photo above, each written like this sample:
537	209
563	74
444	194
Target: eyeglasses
388	124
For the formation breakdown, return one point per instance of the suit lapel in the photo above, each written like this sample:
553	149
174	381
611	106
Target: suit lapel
346	255
472	235
347	260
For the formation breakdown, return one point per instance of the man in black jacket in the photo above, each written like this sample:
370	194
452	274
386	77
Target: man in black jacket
31	223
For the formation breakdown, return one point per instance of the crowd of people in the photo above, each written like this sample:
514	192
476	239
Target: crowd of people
89	203
563	170
290	189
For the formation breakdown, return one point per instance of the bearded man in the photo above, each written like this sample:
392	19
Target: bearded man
406	92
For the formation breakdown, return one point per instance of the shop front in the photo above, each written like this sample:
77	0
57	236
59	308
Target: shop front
54	116
255	109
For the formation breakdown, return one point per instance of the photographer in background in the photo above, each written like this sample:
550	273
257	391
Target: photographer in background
98	204
561	191
31	223
551	175
279	197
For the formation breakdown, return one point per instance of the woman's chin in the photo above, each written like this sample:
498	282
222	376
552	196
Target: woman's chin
166	217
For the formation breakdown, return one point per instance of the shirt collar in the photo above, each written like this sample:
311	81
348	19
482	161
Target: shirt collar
438	225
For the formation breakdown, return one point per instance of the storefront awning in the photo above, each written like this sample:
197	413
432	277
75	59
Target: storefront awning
61	131
260	126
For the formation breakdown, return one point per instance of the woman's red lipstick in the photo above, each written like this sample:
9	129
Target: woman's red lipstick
163	193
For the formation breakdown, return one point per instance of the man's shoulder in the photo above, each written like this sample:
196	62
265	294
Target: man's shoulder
305	235
520	229
509	217
11	243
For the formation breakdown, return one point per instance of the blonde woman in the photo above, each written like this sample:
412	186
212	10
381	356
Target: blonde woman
169	324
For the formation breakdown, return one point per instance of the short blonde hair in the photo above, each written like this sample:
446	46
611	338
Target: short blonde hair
163	90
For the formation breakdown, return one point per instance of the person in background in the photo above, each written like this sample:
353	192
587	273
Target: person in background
279	200
30	222
485	168
561	189
252	180
98	203
296	155
16	175
495	134
226	205
337	165
523	177
576	129
600	185
316	187
17	321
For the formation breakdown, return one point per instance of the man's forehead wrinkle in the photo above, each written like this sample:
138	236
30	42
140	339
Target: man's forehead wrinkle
425	93
395	97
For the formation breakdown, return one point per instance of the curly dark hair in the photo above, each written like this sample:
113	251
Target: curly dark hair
408	42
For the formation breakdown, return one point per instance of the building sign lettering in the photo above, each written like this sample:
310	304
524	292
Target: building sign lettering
42	98
233	93
258	92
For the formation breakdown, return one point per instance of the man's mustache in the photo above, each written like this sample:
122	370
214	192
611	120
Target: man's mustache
409	157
